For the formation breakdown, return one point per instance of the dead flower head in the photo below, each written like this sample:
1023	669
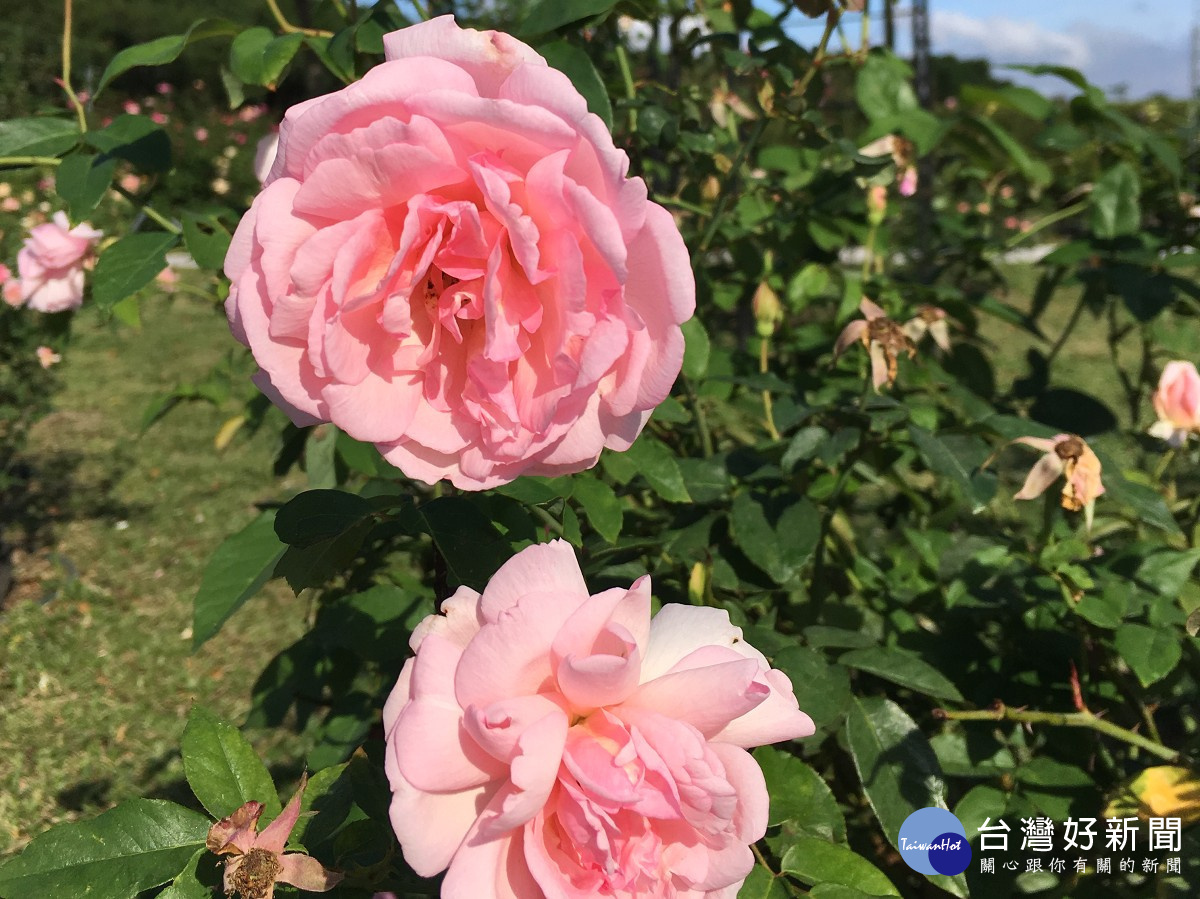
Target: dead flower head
884	339
258	861
1068	456
929	320
903	153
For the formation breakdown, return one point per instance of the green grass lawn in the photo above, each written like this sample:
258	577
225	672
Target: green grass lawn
96	669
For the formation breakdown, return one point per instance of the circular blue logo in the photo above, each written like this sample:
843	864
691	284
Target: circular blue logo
933	841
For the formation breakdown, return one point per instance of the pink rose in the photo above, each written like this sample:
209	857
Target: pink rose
548	743
5	273
448	261
201	134
1177	402
47	357
51	264
264	156
131	107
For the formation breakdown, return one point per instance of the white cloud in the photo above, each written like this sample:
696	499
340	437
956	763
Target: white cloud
1107	56
1006	40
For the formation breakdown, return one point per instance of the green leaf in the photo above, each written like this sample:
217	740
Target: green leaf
137	845
129	265
317	515
164	49
257	56
37	136
601	505
903	668
333	56
898	769
1036	171
222	767
186	885
136	139
814	861
823	688
326	804
314	564
883	87
236	571
780	551
82	180
1115	202
578	66
696	349
1152	652
655	462
798	794
472	541
941	460
550	15
762	884
207	239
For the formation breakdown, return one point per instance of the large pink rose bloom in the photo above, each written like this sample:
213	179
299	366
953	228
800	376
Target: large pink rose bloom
448	261
548	743
51	264
1177	403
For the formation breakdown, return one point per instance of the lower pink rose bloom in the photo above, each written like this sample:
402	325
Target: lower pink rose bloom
548	743
1177	403
52	262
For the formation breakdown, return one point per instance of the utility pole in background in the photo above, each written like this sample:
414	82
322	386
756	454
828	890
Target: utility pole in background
889	25
923	72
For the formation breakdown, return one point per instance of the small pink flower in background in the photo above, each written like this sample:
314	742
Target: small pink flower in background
131	107
46	184
5	273
167	279
983	208
1066	456
201	134
963	207
131	183
14	293
929	320
465	277
258	861
1011	222
908	182
251	113
5	189
264	156
1177	403
159	118
1025	224
52	261
47	357
884	339
239	138
10	204
83	96
951	102
548	743
164	88
876	203
1007	192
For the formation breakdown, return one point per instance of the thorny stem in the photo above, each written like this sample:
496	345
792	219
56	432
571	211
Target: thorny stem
1001	712
831	22
727	186
28	160
706	441
150	211
630	90
764	349
288	28
66	67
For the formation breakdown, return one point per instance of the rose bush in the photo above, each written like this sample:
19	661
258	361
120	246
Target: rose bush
449	261
548	742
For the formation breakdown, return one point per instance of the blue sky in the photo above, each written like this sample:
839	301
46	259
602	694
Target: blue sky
1141	44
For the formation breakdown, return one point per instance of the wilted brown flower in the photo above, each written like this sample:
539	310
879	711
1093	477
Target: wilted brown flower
929	320
884	339
258	861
